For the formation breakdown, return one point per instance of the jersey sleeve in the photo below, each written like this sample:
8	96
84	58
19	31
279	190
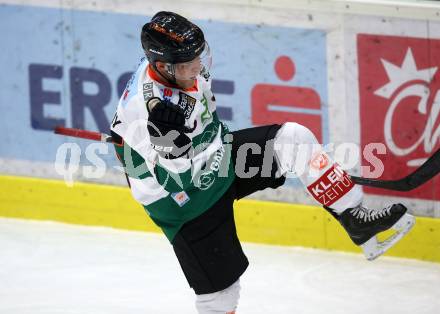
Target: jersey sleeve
140	161
132	144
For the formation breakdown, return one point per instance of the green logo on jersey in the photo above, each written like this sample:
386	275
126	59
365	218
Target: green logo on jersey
206	115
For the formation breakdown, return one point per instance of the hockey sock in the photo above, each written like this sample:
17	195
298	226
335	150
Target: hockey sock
298	152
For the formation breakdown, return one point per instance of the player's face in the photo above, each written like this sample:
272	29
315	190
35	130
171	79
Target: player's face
189	70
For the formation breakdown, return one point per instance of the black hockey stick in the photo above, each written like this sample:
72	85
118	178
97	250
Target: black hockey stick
421	175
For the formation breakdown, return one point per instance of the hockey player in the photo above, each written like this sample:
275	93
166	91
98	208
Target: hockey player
186	168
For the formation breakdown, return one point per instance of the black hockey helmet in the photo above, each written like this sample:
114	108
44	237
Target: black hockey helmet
171	38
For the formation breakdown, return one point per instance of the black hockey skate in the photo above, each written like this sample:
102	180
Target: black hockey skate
363	224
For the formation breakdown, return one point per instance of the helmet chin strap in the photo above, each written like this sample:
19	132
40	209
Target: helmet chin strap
169	68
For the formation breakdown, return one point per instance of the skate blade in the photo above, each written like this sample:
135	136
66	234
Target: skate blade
373	248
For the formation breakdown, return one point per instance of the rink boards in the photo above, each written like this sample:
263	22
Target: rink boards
257	221
357	73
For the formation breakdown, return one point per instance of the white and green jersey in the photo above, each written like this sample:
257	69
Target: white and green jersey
172	191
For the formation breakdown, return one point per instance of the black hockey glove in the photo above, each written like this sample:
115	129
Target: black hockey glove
166	125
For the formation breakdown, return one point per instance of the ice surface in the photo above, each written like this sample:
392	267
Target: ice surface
48	268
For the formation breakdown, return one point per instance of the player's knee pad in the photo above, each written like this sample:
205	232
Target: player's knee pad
292	132
221	302
294	144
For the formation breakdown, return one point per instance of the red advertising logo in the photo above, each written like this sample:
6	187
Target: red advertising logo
331	186
319	161
280	103
167	93
399	89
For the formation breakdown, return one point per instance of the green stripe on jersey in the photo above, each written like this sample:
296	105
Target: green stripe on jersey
134	164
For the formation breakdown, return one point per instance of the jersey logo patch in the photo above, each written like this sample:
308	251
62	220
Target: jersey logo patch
147	90
206	115
181	198
167	93
187	104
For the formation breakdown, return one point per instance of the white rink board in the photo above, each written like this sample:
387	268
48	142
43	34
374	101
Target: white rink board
51	268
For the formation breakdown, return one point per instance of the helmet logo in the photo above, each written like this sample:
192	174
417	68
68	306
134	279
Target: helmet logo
156	52
172	35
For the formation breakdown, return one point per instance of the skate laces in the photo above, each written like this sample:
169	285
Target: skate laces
369	214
